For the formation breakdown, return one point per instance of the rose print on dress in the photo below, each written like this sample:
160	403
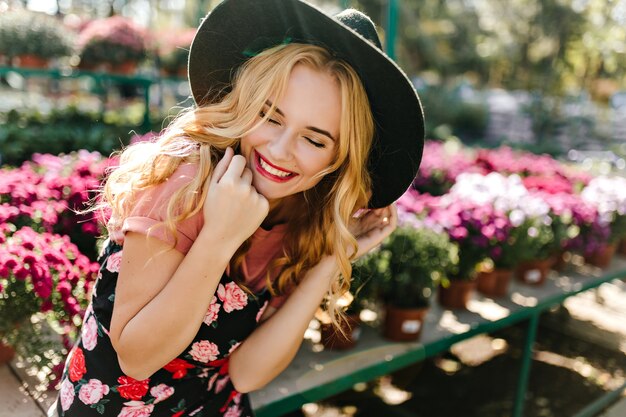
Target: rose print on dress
233	411
93	391
261	311
196	411
131	389
232	296
90	390
161	392
211	314
114	261
221	383
66	394
233	347
77	365
178	367
136	409
204	351
89	333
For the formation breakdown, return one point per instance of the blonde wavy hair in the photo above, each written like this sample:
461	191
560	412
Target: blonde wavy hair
201	135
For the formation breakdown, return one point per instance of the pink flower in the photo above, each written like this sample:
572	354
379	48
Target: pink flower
161	392
233	347
211	314
232	296
212	381
90	333
93	391
114	261
261	311
136	409
204	351
221	383
66	394
233	411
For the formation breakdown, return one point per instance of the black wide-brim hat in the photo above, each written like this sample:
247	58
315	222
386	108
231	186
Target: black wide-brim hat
235	30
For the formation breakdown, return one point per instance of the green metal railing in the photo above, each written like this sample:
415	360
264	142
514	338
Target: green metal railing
314	376
103	81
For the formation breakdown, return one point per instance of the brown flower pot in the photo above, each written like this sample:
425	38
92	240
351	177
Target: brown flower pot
334	340
403	324
125	68
622	247
558	261
30	61
457	294
6	353
534	272
602	257
494	283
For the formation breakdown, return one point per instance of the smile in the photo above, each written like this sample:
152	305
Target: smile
270	171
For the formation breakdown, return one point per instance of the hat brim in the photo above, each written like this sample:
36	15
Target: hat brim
234	25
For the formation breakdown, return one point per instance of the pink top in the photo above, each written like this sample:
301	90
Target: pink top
150	209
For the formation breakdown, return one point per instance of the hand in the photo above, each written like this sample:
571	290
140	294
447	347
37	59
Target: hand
233	209
372	227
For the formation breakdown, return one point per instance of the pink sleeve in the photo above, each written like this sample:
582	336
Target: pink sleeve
150	210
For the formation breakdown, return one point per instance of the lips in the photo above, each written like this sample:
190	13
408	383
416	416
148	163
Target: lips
271	171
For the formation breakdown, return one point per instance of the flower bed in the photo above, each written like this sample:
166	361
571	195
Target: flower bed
531	210
47	252
111	42
504	209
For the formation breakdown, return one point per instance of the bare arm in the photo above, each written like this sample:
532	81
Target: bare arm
162	295
160	301
273	345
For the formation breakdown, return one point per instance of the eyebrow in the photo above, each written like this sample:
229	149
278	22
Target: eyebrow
313	128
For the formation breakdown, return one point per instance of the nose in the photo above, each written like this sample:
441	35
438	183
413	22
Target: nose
280	146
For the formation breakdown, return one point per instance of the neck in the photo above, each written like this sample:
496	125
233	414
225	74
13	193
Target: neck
278	213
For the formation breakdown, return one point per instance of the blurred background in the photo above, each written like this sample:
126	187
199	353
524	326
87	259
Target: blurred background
544	75
518	94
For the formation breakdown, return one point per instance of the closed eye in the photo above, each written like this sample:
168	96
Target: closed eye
314	143
273	121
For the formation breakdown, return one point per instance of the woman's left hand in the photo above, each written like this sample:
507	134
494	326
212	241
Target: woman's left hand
372	227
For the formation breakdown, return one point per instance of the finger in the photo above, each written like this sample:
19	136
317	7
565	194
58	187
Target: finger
235	168
246	177
391	221
394	214
222	165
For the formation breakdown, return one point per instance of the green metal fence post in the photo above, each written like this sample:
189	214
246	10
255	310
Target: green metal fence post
522	382
392	28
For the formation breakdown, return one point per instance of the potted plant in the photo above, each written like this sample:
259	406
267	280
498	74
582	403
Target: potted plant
564	226
535	246
603	227
411	262
46	193
174	52
115	44
463	222
43	277
494	273
29	39
364	276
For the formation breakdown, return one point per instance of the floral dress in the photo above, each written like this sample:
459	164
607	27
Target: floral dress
196	383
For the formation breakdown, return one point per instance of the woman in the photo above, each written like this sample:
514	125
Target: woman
231	228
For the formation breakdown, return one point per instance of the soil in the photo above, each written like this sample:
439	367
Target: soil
566	375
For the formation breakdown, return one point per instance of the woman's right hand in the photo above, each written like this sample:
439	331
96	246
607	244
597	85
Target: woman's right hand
233	209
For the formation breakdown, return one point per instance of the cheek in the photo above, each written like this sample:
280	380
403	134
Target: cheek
316	163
